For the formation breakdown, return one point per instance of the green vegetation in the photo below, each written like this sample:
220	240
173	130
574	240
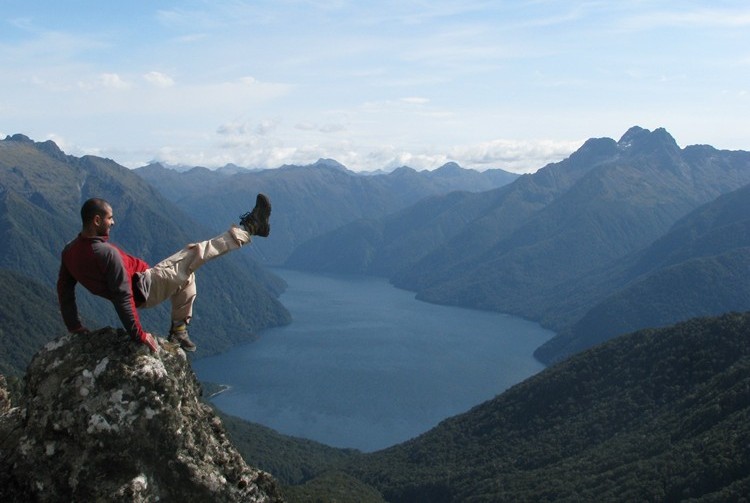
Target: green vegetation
29	318
701	267
704	286
657	415
308	471
333	487
291	460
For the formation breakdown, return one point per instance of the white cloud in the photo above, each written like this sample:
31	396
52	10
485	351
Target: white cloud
233	129
330	127
266	127
241	146
414	100
159	79
703	17
511	155
374	86
112	81
520	156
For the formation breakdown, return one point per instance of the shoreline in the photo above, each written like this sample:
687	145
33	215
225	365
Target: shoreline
212	390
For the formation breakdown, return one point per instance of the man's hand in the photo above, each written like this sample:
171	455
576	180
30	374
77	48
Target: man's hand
149	341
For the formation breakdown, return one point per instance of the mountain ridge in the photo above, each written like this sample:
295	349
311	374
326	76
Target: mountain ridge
310	200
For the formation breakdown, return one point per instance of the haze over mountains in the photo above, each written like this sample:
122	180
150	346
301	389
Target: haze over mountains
549	246
586	246
309	200
627	234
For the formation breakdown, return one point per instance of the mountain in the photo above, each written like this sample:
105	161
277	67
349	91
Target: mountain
102	419
528	248
309	200
28	313
479	219
306	470
624	198
658	415
700	267
41	192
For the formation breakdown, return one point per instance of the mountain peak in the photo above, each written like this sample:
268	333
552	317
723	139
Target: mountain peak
329	163
593	149
21	138
49	147
643	138
631	135
102	419
449	167
231	169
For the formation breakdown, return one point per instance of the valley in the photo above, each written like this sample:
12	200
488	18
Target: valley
364	365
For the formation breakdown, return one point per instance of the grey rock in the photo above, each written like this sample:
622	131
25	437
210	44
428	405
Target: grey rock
102	419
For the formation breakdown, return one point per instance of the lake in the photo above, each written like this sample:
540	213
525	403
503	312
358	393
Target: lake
366	365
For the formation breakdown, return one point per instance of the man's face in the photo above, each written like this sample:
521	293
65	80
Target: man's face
104	222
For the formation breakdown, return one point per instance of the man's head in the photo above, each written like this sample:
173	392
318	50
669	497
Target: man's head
96	217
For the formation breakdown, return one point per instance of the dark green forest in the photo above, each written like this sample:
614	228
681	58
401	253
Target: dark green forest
28	314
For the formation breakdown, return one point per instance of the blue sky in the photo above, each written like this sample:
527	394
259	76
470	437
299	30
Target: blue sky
374	85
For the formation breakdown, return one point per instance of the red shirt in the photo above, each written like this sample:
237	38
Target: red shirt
104	270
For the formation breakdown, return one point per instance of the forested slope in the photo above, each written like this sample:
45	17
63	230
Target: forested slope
658	415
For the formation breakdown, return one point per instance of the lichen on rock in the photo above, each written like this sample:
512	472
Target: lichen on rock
102	419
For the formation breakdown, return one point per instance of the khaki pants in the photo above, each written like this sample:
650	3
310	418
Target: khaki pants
174	277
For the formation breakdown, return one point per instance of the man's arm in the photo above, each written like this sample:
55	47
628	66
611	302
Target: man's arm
66	297
121	290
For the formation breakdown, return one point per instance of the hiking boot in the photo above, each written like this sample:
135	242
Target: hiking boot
179	335
256	222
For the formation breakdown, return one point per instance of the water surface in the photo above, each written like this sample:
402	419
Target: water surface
365	365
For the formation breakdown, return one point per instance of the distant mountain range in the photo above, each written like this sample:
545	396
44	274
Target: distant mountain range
586	246
554	244
619	236
309	200
41	192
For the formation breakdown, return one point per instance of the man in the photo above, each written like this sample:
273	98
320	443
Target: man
129	283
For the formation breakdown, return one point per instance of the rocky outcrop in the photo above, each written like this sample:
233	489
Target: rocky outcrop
102	419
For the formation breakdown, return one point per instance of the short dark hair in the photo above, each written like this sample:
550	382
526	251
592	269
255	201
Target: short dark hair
92	207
